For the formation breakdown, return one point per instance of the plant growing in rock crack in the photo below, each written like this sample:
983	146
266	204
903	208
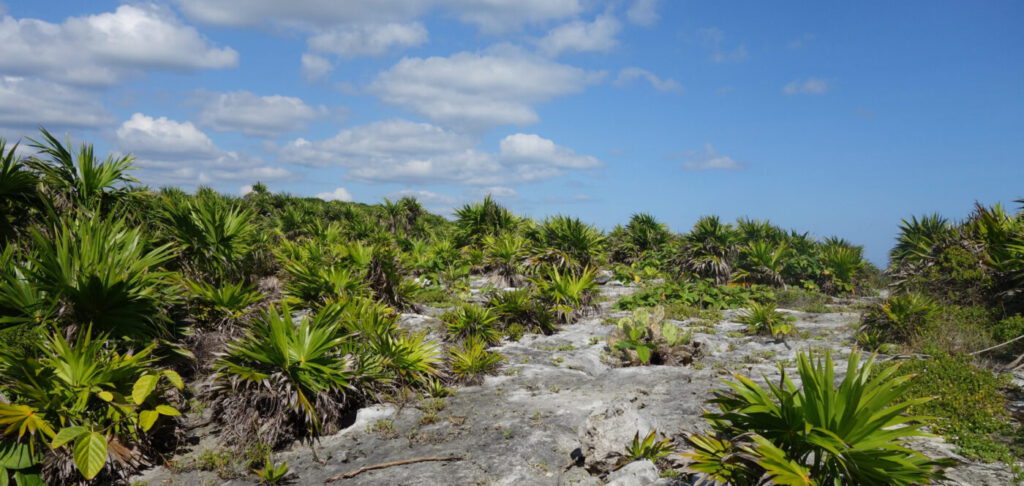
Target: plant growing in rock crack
471	359
271	472
816	433
649	448
765	320
571	294
523	307
646	338
470	321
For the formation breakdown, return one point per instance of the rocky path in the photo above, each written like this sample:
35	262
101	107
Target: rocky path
555	401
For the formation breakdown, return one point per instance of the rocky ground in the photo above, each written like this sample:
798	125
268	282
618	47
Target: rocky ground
557	413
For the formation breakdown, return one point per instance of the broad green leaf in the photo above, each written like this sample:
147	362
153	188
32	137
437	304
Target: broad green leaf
167	410
105	396
16	455
143	387
174	378
23	478
4	481
90	454
147	418
68	434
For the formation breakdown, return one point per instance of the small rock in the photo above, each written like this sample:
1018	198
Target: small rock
608	431
603	277
637	473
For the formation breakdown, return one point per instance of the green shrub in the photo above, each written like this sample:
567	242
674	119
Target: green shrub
470	321
967	401
765	320
471	359
701	294
817	432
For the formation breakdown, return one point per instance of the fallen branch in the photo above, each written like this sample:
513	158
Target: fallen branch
998	345
389	464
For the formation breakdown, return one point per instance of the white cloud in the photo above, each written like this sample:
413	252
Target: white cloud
164	137
630	74
368	39
643	12
27	103
424	196
102	48
580	36
711	160
501	192
489	15
505	15
339	194
479	90
713	40
315	67
172	152
809	86
402	151
522	148
253	115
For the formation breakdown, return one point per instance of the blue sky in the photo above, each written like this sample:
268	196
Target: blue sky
837	118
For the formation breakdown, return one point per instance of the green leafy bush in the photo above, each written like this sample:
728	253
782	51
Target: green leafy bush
765	320
701	294
816	433
470	321
471	359
81	409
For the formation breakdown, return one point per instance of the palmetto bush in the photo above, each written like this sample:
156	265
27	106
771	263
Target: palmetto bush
82	410
505	256
523	307
641	237
763	319
223	303
816	433
470	321
287	379
404	359
471	359
763	262
918	239
841	262
214	237
475	221
314	284
18	194
102	273
902	317
80	181
567	243
571	294
711	250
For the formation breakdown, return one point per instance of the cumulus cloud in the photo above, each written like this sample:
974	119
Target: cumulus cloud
479	91
631	74
368	39
522	148
26	103
711	160
338	194
402	151
489	15
315	67
713	39
581	36
173	152
809	86
643	12
253	115
429	198
100	49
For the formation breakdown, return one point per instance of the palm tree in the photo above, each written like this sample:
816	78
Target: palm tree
80	181
475	221
918	239
712	248
18	193
763	262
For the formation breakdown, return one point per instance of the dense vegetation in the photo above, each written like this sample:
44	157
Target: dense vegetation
126	310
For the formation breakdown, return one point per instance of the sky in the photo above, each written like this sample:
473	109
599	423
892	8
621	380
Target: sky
836	118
